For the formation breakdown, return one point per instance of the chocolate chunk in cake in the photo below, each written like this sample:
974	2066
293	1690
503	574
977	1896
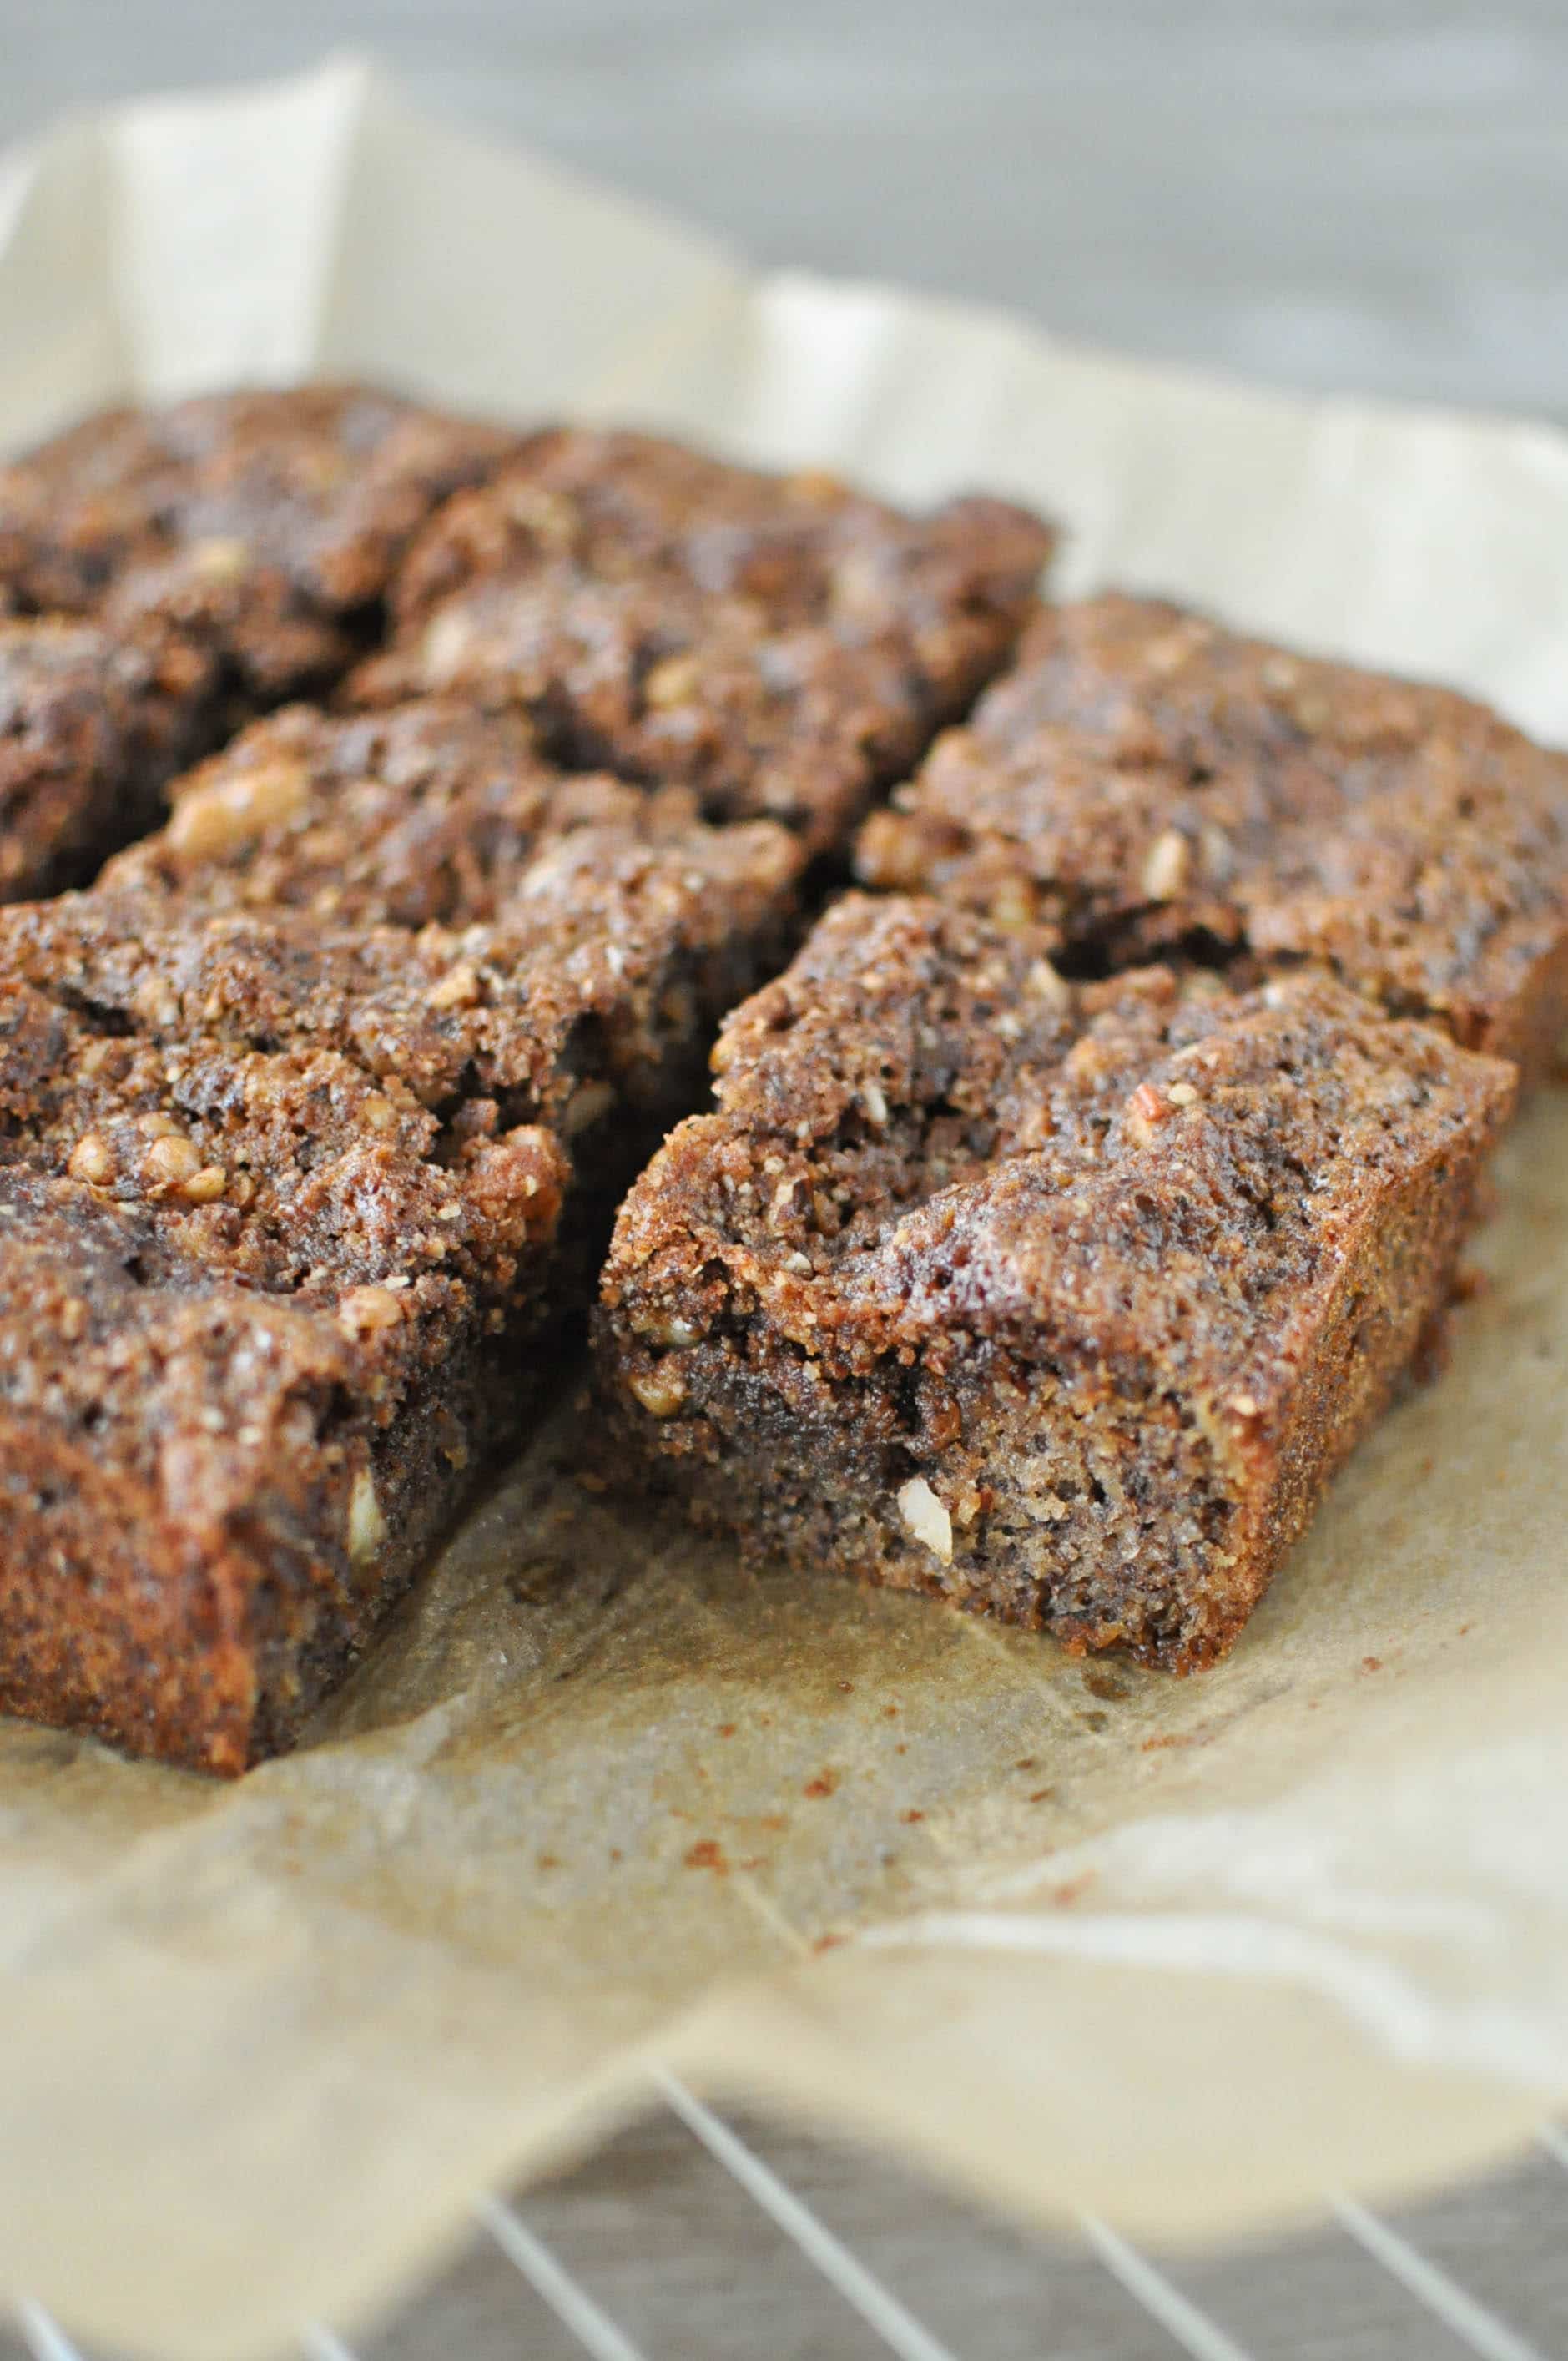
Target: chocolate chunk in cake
1060	1302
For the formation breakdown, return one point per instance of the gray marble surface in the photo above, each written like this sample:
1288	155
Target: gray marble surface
1358	194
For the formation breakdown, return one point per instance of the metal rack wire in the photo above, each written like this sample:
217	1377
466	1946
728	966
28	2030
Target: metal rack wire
1459	2320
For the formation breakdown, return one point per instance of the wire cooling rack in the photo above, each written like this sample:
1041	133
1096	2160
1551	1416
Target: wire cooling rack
692	2238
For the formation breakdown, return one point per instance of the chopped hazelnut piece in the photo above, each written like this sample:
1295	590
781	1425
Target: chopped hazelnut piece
1049	984
1166	865
364	1310
660	1390
170	1162
366	1523
674	682
221	559
458	988
213	819
926	1517
1147	1107
93	1160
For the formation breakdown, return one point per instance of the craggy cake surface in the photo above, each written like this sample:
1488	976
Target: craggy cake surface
1062	1301
781	645
1145	781
426	812
586	1003
90	732
263	526
286	1211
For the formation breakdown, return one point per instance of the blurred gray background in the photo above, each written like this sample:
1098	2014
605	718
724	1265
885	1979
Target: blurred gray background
1356	195
1343	194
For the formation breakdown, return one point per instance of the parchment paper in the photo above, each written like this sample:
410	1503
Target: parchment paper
1188	1955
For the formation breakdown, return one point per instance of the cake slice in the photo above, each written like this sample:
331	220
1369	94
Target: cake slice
1146	782
780	644
290	1217
1060	1302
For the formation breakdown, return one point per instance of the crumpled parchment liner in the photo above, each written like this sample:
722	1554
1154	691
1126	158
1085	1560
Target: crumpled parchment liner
1188	1955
